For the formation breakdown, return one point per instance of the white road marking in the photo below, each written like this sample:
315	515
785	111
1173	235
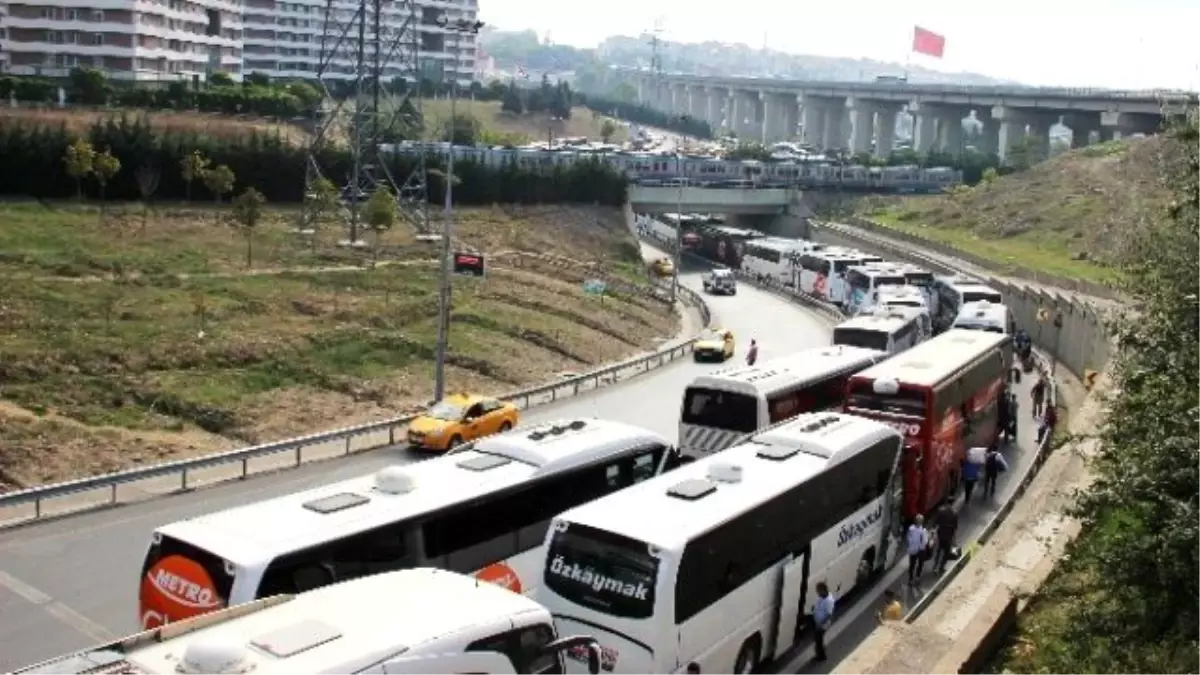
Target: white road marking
58	610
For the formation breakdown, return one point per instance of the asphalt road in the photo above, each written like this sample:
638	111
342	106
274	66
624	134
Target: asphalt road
70	583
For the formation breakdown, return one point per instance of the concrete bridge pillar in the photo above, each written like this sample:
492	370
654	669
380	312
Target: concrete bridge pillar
1118	125
749	116
862	124
734	110
838	129
950	132
1012	129
885	128
1039	129
812	121
769	119
924	127
714	107
779	117
1083	126
695	101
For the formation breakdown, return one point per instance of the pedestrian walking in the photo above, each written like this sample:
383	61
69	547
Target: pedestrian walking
917	539
971	470
946	521
822	617
1049	419
1038	396
1014	414
752	355
993	465
892	611
1003	414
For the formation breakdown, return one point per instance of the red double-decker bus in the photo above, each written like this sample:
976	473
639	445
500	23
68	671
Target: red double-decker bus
943	395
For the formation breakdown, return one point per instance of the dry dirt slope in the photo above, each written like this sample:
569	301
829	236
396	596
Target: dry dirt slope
98	374
1071	214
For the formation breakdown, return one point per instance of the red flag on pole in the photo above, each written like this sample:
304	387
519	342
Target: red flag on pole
928	42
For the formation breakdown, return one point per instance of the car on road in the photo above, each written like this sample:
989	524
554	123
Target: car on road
663	267
722	281
714	344
460	418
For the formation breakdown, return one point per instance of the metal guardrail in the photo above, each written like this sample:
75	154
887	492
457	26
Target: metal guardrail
524	398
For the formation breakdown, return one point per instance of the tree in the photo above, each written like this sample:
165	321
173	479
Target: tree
219	181
321	201
147	178
220	79
1026	152
190	168
381	213
248	209
462	129
88	86
105	167
80	159
511	102
607	130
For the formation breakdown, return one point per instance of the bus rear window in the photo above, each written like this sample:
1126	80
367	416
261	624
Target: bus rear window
180	581
720	410
602	571
922	279
862	395
976	296
859	337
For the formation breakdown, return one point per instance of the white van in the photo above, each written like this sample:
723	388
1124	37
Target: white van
984	315
420	620
886	330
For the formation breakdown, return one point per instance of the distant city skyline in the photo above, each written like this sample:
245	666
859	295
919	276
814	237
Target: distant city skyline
1105	43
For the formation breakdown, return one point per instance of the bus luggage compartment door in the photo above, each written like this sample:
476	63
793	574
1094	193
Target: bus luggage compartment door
791	603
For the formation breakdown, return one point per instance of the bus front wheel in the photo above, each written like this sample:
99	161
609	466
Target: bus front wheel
748	655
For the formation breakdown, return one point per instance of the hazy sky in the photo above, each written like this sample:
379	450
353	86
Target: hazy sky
1126	44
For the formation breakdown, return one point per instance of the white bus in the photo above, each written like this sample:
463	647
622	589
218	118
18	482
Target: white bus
904	296
823	274
863	281
890	330
722	407
482	510
771	257
412	621
915	275
716	564
984	315
951	293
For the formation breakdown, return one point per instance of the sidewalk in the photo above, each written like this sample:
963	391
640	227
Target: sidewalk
1010	566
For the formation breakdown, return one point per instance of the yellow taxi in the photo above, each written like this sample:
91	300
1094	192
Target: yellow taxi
460	418
714	344
663	267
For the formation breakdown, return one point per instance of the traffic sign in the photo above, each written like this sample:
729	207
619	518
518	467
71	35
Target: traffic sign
594	286
470	264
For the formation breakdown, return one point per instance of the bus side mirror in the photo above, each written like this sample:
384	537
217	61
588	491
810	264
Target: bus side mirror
574	642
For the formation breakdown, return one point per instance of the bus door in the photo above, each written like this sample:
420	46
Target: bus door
891	535
793	596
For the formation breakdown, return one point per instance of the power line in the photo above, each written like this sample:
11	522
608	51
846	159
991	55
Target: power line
370	75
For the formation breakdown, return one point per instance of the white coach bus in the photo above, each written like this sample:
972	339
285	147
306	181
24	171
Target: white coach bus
724	406
412	621
481	510
716	564
891	330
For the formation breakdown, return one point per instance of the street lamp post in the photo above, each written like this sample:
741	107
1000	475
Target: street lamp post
459	27
678	227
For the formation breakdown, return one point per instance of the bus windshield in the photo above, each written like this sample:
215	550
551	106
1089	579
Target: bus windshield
720	410
907	402
922	279
602	571
860	337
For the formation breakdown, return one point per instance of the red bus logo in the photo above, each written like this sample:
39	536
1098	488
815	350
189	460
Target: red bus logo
501	575
176	588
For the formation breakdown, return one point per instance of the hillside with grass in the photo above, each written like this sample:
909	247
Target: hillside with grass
1073	215
500	127
131	341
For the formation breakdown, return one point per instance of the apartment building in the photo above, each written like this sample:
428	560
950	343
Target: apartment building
181	39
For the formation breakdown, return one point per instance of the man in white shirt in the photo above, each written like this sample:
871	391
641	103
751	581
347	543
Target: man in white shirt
822	617
917	539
